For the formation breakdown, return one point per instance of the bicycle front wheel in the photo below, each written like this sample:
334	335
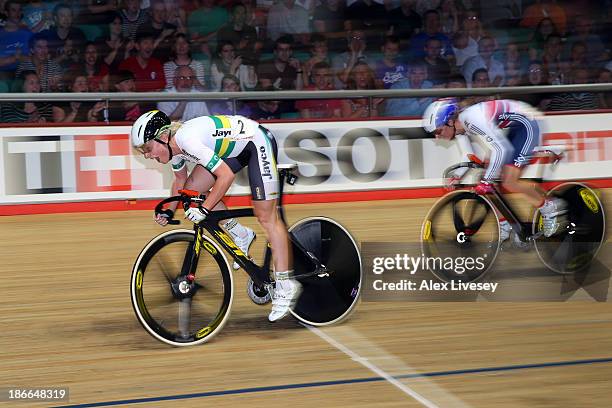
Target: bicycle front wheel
173	309
329	298
573	249
460	237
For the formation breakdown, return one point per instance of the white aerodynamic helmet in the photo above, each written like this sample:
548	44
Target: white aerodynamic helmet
148	126
438	113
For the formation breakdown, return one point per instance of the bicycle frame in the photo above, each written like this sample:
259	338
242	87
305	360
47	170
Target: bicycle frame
259	274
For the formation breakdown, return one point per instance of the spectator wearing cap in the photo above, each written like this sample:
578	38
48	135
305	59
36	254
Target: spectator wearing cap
120	111
148	71
183	110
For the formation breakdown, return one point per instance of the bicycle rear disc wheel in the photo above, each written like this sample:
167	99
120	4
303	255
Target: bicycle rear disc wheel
326	299
574	248
158	290
460	237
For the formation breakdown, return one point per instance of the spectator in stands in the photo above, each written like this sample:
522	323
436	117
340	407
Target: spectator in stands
99	12
181	56
132	17
226	62
431	29
456	81
14	40
604	76
204	23
485	59
356	52
38	15
229	83
389	70
438	69
545	9
77	111
65	42
267	110
183	110
372	19
473	26
27	112
515	64
318	53
404	22
361	77
163	32
322	78
583	32
568	101
480	79
284	71
449	17
287	17
417	79
121	111
578	56
239	33
114	47
501	13
535	76
464	47
553	63
544	29
328	19
49	72
147	70
94	67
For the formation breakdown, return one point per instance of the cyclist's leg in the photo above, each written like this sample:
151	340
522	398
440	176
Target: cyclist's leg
263	179
524	135
202	180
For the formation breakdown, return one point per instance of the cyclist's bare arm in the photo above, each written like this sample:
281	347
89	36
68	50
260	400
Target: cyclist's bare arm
224	179
180	177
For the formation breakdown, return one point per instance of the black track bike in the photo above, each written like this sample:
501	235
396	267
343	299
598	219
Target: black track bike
463	224
182	288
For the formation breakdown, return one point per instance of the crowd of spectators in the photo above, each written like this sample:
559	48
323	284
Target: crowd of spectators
250	45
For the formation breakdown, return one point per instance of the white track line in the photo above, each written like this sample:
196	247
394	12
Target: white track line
394	364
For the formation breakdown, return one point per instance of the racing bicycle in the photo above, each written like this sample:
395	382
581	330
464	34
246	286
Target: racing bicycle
182	288
463	224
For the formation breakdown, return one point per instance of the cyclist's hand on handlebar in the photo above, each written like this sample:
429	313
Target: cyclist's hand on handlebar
484	188
196	214
163	217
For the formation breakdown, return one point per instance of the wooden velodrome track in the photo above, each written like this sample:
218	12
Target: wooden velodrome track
67	321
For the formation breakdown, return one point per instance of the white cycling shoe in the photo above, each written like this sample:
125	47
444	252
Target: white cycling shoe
284	295
244	244
554	216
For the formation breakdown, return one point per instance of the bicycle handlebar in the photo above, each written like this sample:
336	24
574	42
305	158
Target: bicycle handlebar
184	198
